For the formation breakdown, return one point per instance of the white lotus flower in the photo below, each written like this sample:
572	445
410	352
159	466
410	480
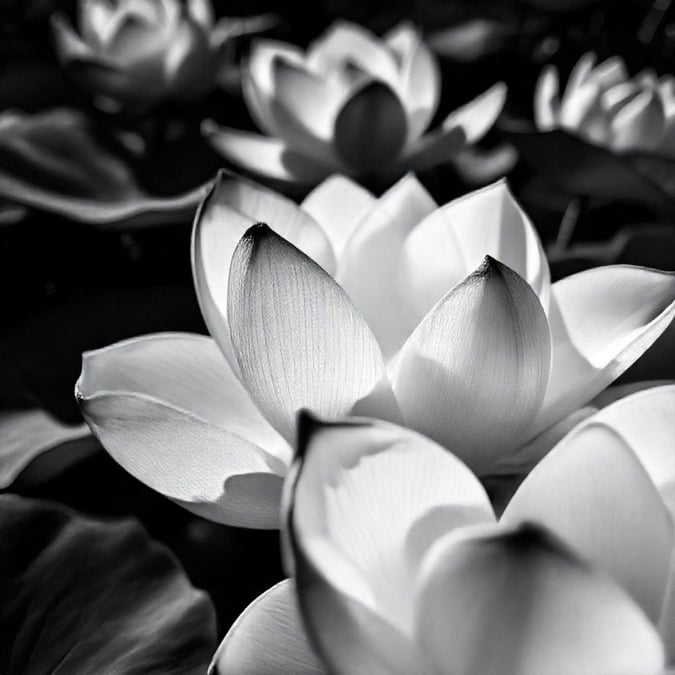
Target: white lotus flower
400	565
443	319
352	103
132	53
605	106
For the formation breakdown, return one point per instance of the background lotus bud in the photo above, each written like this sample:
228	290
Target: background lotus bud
131	54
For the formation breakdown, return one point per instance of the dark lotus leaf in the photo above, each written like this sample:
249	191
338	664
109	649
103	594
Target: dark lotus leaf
84	596
54	162
27	435
586	170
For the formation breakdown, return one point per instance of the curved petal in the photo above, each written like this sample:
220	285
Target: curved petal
454	239
371	127
477	117
338	205
268	157
436	147
420	78
268	638
344	43
518	601
169	409
257	79
547	100
367	501
232	206
639	124
370	268
473	374
298	340
602	320
592	491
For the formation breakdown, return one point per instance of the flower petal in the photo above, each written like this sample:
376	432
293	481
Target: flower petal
268	638
298	340
602	320
547	99
85	596
473	374
639	124
592	491
420	79
338	205
477	117
518	601
454	239
268	157
228	211
344	43
371	128
169	409
366	502
370	268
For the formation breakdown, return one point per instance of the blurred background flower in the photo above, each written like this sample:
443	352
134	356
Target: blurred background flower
351	103
130	54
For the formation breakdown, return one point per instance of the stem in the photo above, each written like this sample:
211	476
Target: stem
568	225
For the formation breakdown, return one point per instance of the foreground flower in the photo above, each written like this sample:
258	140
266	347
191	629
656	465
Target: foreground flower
352	103
603	105
399	564
443	319
134	53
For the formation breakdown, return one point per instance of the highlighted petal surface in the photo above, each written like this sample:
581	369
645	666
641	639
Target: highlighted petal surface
298	340
473	374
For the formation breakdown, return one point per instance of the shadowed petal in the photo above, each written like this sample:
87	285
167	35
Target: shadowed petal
497	601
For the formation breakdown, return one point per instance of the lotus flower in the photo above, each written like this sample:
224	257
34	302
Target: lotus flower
134	53
605	106
352	103
443	319
400	566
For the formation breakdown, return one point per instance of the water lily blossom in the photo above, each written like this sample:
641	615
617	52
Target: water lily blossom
443	319
400	565
351	103
133	53
604	105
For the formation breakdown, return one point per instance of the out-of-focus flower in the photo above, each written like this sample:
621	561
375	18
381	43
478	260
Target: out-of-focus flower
605	106
399	564
352	103
441	318
133	53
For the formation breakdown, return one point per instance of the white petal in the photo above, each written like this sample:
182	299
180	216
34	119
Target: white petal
169	409
268	638
518	602
201	11
268	157
298	340
344	43
547	99
477	117
368	500
95	18
26	434
452	242
338	205
257	79
602	320
370	268
473	374
639	124
227	212
420	79
592	491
